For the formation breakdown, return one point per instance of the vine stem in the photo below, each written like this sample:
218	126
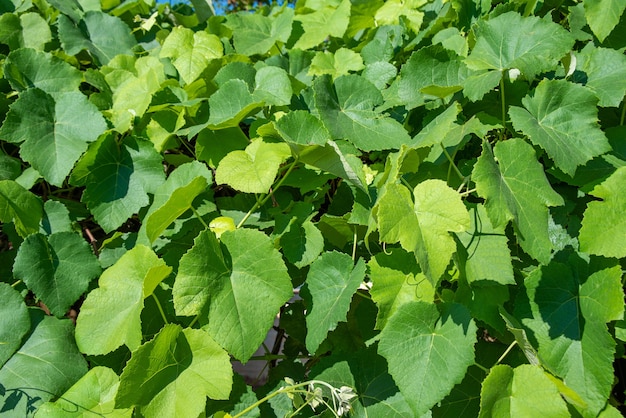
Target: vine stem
507	351
621	119
456	169
160	308
197	215
503	104
261	202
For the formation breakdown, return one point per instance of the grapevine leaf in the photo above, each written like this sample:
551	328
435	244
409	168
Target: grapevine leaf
423	224
603	229
566	306
56	218
523	391
393	11
273	86
212	146
54	133
529	44
110	316
396	280
487	255
94	393
342	62
175	197
48	362
14	321
103	35
515	188
19	206
603	15
222	278
252	170
301	127
191	52
464	399
64	269
231	103
26	68
165	369
428	352
605	71
257	34
561	118
299	238
332	280
327	19
347	110
118	178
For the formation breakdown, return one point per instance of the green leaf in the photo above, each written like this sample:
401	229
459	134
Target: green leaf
221	278
47	363
299	238
428	352
422	224
27	68
273	86
212	146
515	188
118	178
347	110
603	15
56	218
342	62
529	44
14	321
252	170
525	391
20	206
327	19
231	103
255	34
175	197
562	118
64	269
54	132
605	71
103	35
396	280
94	393
487	255
110	316
567	307
603	229
191	51
332	280
176	371
393	11
301	127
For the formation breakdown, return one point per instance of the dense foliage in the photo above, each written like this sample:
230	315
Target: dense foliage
424	198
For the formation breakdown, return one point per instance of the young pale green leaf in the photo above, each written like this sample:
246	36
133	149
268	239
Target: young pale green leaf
487	255
103	35
222	279
47	363
529	44
14	321
525	391
54	132
301	127
94	393
326	19
273	86
562	118
395	11
332	280
605	71
64	269
422	224
175	197
113	196
231	103
191	51
20	206
27	68
515	188
347	110
396	280
342	62
603	229
252	170
603	15
255	34
428	352
110	316
566	306
176	371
